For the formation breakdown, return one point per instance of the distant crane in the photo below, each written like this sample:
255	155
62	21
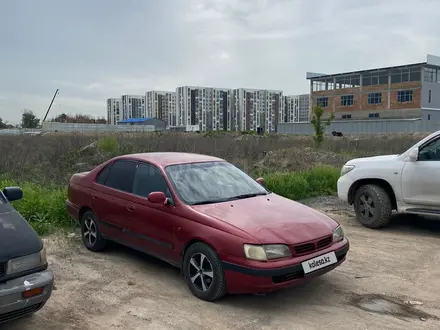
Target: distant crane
50	105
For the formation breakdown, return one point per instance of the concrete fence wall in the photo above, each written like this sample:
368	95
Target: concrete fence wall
364	127
75	127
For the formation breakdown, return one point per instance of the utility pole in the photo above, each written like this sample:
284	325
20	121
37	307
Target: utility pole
50	105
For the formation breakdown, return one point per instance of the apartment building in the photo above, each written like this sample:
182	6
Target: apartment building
296	109
256	108
384	93
133	106
204	107
161	105
114	110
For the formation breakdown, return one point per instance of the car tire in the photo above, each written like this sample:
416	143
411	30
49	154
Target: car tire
373	207
209	284
91	236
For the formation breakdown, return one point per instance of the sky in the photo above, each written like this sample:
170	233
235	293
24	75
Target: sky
95	49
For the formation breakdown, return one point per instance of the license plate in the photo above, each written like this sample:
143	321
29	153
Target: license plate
319	262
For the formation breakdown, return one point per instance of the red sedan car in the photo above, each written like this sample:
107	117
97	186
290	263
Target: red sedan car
224	230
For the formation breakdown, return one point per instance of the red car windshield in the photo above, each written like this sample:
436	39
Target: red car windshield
212	182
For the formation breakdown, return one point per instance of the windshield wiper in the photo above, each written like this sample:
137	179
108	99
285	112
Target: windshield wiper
209	202
243	196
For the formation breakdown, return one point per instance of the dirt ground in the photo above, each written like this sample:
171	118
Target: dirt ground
391	280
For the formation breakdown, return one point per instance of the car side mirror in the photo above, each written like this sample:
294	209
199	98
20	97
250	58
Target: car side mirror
413	154
260	181
13	193
157	197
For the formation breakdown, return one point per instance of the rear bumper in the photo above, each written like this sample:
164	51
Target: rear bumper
242	279
72	210
12	303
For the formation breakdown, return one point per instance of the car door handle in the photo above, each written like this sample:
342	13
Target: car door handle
95	197
131	208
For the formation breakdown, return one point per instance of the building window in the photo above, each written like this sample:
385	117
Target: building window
318	86
430	75
352	81
375	78
405	75
373	115
322	102
375	98
429	117
404	96
347	100
346	116
429	98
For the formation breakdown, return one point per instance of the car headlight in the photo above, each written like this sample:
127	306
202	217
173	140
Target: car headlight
338	234
266	252
346	168
22	264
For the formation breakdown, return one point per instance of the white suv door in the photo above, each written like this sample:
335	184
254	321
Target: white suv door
421	178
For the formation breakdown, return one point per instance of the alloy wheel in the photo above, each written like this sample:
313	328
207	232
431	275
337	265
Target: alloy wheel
201	272
367	208
90	231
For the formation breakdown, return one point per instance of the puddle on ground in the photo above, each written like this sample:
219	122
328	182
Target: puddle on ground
390	306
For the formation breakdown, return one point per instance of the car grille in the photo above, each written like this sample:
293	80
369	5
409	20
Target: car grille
322	243
2	269
304	248
19	313
313	246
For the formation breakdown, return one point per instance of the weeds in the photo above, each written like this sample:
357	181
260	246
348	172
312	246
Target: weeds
42	165
318	181
43	207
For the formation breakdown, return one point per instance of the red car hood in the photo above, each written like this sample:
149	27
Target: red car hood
272	219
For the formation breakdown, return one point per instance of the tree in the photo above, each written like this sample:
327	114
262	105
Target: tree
319	124
2	124
29	120
62	118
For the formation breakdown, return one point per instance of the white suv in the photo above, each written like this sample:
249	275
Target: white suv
407	183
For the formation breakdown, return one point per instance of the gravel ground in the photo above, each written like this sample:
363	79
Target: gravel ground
389	281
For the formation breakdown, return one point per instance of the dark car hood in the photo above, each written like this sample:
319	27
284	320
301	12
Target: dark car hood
272	219
17	237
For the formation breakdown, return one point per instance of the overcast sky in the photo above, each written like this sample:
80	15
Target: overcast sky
95	49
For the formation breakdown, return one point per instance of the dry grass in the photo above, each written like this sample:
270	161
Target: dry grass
53	158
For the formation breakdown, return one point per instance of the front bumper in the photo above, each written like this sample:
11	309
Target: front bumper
12	303
344	184
243	279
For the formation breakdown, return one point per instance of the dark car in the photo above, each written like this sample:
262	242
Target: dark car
224	230
25	280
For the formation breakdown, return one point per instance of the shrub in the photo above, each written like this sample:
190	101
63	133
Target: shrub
108	145
320	180
43	206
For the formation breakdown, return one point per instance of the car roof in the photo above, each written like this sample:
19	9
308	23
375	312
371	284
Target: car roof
170	158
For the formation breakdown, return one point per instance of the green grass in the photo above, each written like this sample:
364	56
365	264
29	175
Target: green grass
319	181
44	206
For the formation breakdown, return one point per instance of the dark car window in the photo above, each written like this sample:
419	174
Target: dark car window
430	152
102	176
149	179
121	175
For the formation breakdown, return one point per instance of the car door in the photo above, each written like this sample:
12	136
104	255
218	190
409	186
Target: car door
111	198
155	224
421	178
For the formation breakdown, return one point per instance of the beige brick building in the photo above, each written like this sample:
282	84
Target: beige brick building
383	93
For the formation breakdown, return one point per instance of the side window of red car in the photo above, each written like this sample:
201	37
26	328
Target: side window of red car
149	179
102	176
121	175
